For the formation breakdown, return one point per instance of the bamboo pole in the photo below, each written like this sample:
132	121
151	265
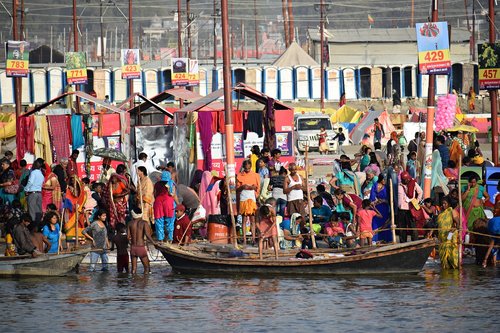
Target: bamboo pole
459	238
60	231
76	226
311	231
393	225
234	239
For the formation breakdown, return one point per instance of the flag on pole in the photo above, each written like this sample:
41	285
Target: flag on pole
370	19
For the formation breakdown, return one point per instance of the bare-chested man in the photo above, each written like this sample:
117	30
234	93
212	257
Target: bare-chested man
137	229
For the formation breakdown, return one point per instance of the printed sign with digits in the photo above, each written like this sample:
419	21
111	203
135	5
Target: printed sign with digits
489	65
194	73
433	48
131	68
180	71
76	67
17	62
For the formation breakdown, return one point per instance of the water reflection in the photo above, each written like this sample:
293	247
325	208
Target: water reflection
163	301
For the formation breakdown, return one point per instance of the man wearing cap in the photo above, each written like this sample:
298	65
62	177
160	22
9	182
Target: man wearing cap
137	229
409	195
183	227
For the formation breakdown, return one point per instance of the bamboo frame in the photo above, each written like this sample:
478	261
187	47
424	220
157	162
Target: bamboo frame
393	225
311	230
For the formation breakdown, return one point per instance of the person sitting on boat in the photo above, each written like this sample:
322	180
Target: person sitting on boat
183	228
350	229
39	240
22	237
291	232
51	230
334	230
267	229
321	213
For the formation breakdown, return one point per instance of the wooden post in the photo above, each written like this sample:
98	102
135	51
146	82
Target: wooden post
234	238
311	231
76	226
60	231
459	238
393	225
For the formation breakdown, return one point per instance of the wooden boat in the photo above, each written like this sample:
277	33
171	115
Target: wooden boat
407	258
44	265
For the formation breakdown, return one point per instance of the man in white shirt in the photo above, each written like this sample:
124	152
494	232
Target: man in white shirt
33	191
141	161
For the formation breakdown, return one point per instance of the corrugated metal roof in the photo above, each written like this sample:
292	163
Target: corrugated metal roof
396	35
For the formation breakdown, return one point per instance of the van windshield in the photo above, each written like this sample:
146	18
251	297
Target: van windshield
312	124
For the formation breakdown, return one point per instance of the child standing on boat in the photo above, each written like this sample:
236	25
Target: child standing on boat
98	234
267	229
365	218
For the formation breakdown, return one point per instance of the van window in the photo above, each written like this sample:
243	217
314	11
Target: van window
311	124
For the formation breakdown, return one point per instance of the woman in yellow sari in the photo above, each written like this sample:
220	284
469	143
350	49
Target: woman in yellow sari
474	197
448	242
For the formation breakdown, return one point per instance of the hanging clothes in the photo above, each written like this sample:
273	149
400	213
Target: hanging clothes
42	139
25	138
238	121
253	123
59	130
218	122
205	128
77	131
269	125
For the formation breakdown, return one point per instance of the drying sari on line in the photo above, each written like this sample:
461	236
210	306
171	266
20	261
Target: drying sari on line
448	248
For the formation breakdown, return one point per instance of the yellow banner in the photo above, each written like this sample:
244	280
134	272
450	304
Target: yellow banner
17	64
435	56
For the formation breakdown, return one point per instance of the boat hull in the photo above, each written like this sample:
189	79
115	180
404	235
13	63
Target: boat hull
407	258
45	265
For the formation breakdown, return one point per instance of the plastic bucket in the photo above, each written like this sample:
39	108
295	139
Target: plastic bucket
218	229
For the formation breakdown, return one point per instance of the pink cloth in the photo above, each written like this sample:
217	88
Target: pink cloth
25	138
164	206
208	194
403	200
365	218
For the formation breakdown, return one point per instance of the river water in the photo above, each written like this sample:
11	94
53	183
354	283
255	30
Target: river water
432	301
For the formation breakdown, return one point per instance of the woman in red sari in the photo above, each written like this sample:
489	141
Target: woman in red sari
115	195
51	190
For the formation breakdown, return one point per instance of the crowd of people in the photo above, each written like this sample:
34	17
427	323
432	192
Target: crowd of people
273	206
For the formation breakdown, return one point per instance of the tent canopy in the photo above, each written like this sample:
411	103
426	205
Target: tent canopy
294	56
180	93
80	94
346	114
365	126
